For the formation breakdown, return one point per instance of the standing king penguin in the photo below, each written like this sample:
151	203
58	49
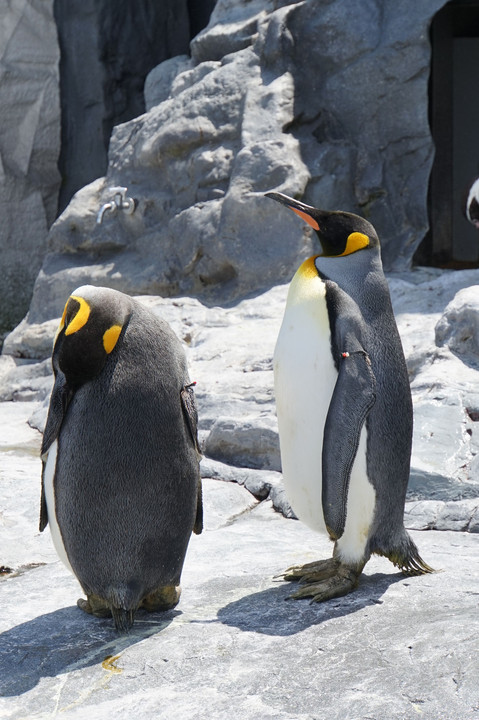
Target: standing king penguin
121	485
344	406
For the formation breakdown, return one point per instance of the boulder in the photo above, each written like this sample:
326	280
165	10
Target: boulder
458	327
29	149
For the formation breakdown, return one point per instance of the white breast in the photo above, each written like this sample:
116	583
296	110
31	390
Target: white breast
50	500
305	377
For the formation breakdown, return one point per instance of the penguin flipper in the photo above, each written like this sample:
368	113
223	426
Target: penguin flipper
43	506
188	403
59	401
353	396
198	526
190	413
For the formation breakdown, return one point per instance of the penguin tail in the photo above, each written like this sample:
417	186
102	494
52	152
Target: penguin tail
405	556
123	619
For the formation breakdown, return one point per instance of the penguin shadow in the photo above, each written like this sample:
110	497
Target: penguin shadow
64	641
274	612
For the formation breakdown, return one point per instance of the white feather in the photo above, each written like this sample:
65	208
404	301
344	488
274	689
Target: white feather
305	376
55	532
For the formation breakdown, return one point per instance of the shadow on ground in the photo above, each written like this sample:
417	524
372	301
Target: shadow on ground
273	612
64	641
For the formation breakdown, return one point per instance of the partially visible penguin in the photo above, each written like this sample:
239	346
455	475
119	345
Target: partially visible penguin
472	204
344	406
121	485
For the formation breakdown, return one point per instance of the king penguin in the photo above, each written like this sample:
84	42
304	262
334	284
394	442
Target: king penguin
121	486
344	406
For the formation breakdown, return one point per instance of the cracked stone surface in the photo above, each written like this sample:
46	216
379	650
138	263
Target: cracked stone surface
396	648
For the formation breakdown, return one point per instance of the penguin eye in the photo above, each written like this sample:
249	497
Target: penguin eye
356	241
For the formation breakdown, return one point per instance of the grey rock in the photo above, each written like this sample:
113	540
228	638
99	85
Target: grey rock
230	354
422	515
263	484
233	635
242	117
107	51
224	503
258	482
23	380
159	81
29	149
459	325
251	442
457	515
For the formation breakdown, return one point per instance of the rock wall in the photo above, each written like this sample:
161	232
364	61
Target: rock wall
107	49
311	98
29	147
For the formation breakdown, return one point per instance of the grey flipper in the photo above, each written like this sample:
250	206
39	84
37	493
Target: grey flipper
59	401
353	397
190	413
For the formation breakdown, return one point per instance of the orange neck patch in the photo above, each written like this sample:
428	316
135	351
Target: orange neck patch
308	268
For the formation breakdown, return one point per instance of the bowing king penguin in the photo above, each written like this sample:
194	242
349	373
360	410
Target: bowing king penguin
121	486
344	406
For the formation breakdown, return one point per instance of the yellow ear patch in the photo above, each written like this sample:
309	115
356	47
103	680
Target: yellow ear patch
61	325
110	337
81	316
356	241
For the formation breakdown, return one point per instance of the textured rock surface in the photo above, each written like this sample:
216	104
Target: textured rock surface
230	353
107	48
458	327
312	98
396	648
29	148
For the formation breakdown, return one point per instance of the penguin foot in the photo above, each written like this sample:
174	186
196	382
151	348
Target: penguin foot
94	605
163	598
312	572
323	580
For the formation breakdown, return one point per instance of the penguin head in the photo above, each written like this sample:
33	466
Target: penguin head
340	233
89	330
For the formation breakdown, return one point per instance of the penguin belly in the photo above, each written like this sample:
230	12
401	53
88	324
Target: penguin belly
305	376
48	479
304	379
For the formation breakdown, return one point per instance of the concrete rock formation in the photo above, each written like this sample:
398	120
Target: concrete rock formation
107	48
312	98
29	148
396	648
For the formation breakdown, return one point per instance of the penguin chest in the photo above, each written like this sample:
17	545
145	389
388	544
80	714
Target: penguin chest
49	486
304	376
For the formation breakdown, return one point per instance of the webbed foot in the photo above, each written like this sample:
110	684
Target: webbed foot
163	598
94	605
324	579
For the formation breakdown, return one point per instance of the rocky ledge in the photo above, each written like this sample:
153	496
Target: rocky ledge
395	648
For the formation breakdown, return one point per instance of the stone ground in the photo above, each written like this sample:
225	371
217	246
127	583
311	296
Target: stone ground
235	646
398	648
